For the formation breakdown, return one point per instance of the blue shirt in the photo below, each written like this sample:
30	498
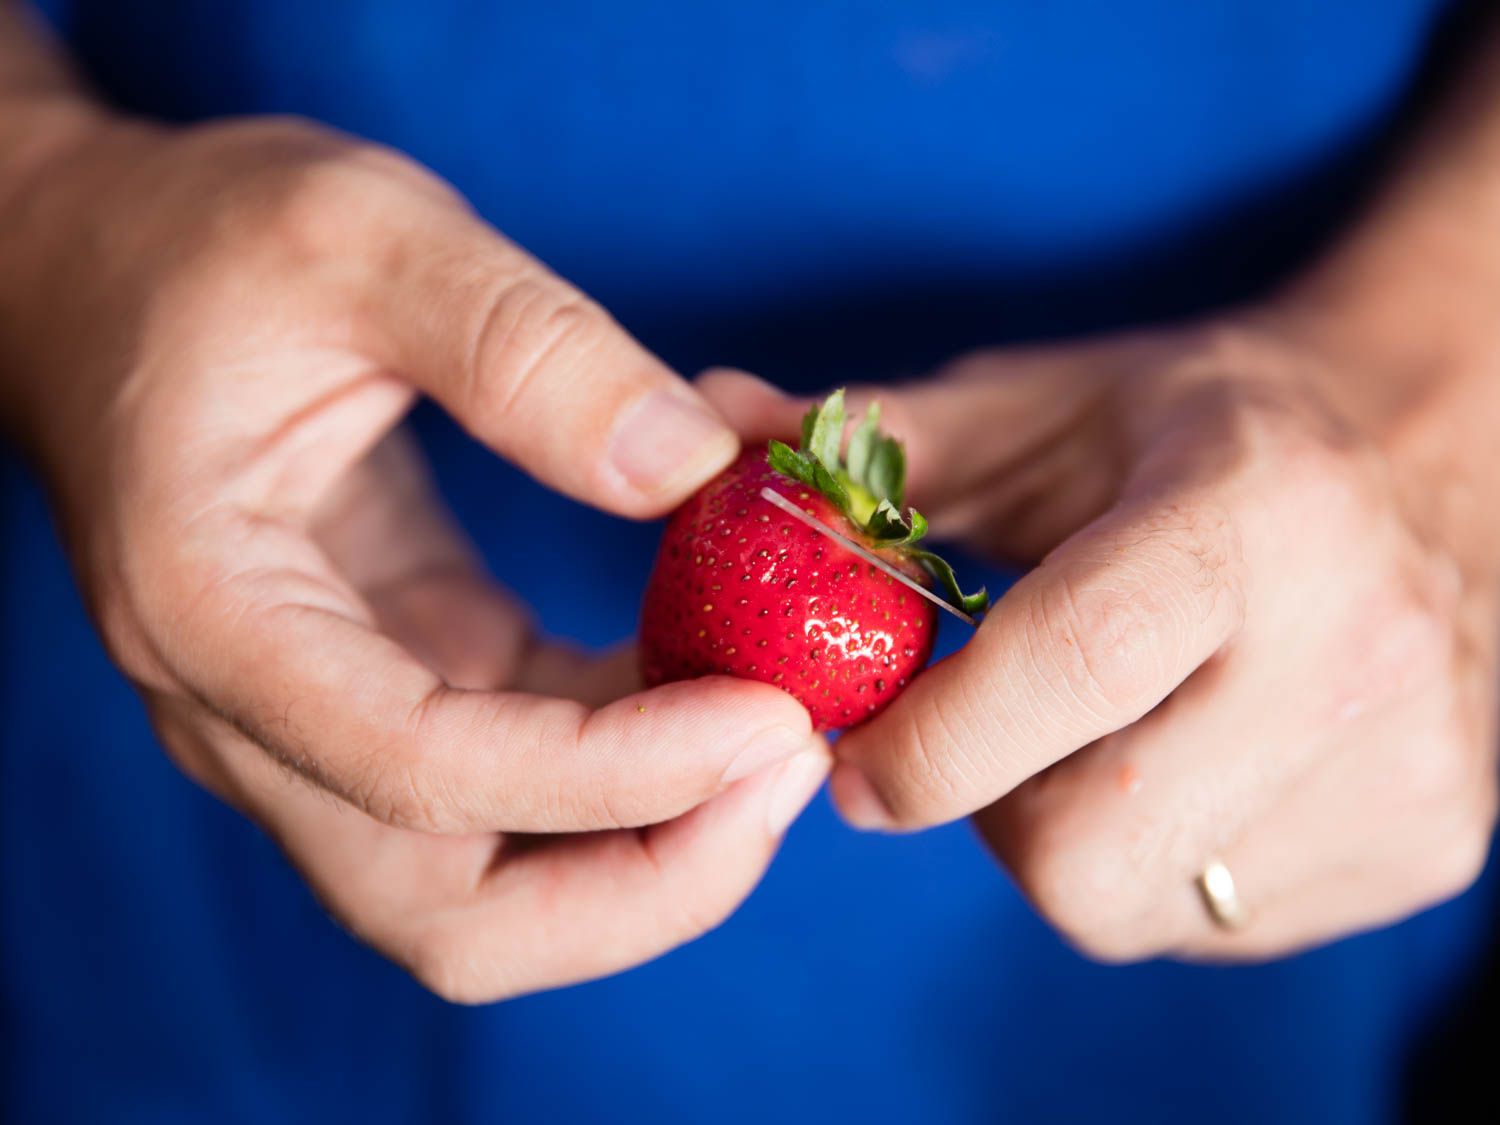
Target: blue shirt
818	190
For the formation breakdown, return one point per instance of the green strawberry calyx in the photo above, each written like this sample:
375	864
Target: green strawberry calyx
866	484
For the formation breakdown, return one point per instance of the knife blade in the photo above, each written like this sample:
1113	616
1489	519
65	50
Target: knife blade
771	496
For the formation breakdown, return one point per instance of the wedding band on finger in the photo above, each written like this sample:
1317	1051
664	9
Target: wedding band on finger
1220	898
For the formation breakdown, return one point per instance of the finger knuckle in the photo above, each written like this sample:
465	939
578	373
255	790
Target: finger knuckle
517	339
391	781
693	916
1396	647
934	774
1435	773
397	788
1320	479
394	794
446	961
328	207
596	807
1191	557
1082	885
292	195
1455	867
1318	472
127	642
1107	639
685	913
1452	786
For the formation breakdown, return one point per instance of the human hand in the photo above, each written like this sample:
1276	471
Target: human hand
210	336
1262	628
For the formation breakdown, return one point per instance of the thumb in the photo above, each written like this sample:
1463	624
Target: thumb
541	374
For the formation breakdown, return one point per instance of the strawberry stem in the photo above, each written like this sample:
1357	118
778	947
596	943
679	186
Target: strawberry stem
866	486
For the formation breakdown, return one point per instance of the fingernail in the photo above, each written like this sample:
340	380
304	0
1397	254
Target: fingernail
767	748
857	801
794	786
666	438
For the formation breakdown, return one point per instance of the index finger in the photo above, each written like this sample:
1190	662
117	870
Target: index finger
281	647
539	372
1088	642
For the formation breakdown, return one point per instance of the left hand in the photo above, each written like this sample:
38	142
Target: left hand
1262	630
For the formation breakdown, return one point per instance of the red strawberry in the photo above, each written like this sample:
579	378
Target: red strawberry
740	588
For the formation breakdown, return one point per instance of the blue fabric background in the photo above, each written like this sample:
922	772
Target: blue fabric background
818	190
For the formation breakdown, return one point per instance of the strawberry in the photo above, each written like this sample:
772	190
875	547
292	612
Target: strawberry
740	588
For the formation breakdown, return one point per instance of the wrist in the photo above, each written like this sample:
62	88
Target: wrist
48	198
36	128
1401	329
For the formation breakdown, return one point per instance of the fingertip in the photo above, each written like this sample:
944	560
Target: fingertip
663	447
756	408
792	787
857	800
715	382
677	745
760	807
765	748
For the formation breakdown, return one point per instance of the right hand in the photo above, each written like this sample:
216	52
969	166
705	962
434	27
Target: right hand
211	336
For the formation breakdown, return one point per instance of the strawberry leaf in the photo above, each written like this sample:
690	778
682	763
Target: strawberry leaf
788	462
885	476
891	529
830	486
938	567
827	435
886	524
918	525
862	448
809	420
873	474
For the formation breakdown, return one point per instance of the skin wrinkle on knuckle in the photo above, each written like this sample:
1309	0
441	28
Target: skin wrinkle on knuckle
603	807
386	790
271	728
1198	547
1103	641
381	773
273	734
1084	888
404	786
528	322
934	771
598	805
1123	631
1034	641
978	758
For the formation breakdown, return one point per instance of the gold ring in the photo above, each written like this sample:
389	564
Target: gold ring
1223	902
